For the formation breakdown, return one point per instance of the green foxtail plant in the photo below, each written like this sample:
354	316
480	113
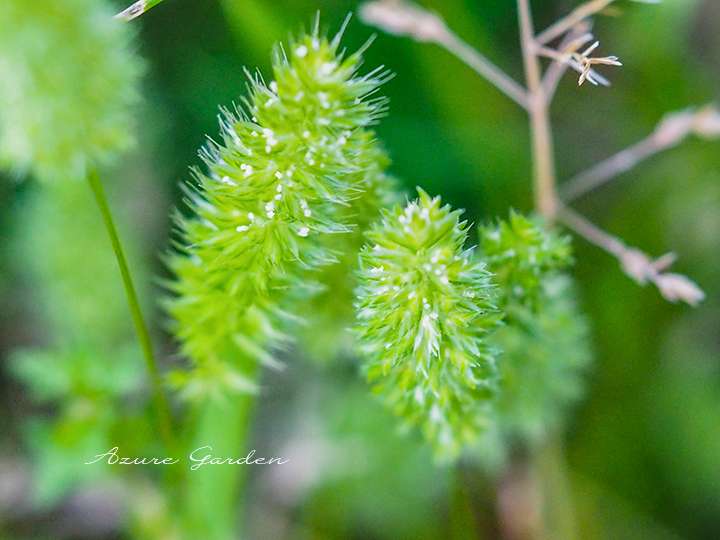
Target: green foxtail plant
425	307
461	343
283	184
68	81
279	203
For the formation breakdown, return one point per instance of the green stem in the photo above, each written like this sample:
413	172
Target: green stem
559	515
161	403
214	495
463	525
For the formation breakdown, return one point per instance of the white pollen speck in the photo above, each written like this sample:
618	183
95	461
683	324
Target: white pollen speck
251	216
241	228
278	175
305	134
279	187
445	280
307	212
303	231
278	197
411	295
327	68
274	87
301	51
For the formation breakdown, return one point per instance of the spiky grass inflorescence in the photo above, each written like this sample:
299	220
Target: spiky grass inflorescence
544	339
425	308
521	253
67	83
267	211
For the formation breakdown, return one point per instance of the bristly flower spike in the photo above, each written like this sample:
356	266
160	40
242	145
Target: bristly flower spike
425	308
544	338
266	212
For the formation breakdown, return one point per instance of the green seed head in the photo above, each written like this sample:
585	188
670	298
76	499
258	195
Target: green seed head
425	308
283	184
67	84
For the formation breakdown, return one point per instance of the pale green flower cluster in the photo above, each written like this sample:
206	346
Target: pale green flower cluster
292	173
67	83
434	347
544	340
425	307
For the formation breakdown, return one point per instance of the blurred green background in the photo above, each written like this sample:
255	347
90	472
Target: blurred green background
643	448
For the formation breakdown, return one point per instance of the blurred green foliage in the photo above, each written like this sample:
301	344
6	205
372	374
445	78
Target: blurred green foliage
641	449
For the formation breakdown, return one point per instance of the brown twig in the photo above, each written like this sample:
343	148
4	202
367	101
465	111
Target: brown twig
543	152
635	263
579	14
405	19
671	131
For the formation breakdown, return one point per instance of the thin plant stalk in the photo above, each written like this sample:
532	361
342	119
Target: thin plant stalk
540	130
162	406
579	14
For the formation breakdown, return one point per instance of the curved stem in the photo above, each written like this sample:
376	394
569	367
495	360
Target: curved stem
161	402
